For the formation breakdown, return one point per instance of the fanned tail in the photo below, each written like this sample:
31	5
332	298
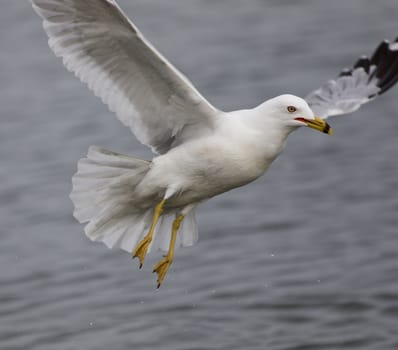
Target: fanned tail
102	195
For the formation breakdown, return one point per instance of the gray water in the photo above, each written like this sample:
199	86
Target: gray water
305	258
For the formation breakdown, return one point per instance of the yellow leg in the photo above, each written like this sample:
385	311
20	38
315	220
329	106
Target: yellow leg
142	247
163	265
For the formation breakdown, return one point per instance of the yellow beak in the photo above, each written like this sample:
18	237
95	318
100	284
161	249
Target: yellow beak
317	124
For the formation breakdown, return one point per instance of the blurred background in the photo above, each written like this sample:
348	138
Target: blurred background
304	258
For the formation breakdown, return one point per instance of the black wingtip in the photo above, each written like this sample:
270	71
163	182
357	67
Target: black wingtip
379	52
364	63
387	66
382	67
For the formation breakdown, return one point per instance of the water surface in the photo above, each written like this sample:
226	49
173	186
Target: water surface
304	258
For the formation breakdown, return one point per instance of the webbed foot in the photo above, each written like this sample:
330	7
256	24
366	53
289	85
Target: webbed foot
162	267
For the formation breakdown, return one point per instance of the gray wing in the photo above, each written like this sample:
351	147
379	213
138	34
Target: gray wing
369	78
105	50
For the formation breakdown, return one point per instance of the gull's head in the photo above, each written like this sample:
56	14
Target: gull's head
293	112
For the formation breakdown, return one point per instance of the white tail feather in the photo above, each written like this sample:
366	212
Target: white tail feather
102	195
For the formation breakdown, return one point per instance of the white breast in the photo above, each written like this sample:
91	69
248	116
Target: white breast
231	157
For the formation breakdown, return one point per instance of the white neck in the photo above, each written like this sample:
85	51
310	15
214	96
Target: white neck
264	136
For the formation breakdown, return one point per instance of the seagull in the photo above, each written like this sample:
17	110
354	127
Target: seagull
200	151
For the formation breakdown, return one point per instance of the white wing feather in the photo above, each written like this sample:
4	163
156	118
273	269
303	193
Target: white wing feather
105	50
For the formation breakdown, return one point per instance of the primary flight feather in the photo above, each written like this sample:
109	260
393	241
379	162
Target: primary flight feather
139	205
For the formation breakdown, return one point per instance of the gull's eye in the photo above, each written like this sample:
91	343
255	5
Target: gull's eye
291	109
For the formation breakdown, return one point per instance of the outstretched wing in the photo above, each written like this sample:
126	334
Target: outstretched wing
105	50
369	78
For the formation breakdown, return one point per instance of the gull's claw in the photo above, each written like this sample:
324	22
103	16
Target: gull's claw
141	250
142	247
162	267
